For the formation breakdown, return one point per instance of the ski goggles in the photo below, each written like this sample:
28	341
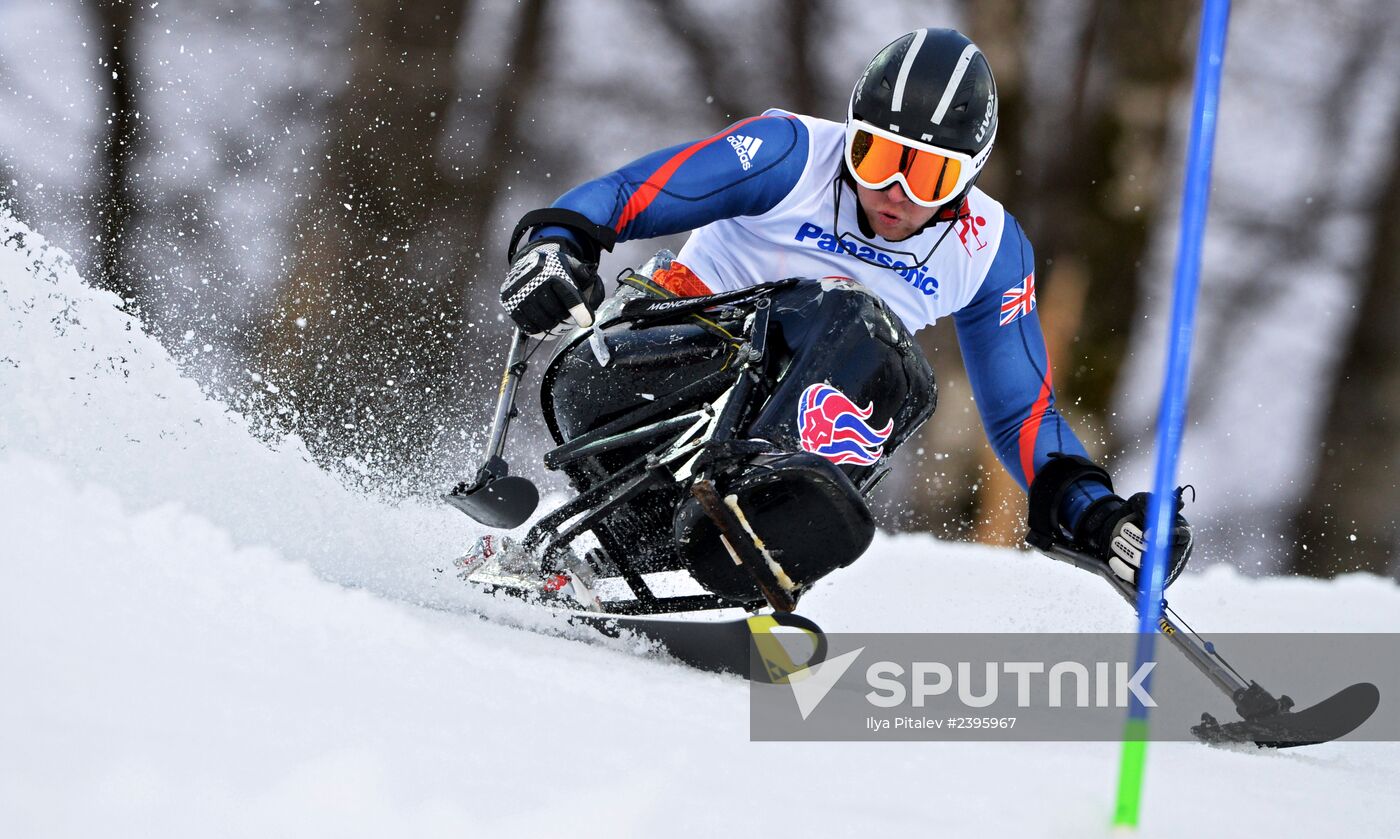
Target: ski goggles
931	176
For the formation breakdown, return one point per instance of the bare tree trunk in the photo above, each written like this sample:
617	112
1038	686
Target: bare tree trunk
1088	166
364	320
800	17
733	89
368	335
1348	522
999	29
116	199
1097	192
504	123
707	52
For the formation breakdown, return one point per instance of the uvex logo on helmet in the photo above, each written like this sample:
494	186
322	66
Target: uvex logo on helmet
987	119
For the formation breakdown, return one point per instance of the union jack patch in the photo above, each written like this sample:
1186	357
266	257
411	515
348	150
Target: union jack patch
1018	300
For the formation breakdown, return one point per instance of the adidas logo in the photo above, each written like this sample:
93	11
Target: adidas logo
746	148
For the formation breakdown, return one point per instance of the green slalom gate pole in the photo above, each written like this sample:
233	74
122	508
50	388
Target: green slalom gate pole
1171	421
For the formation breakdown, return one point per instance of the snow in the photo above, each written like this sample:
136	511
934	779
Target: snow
207	635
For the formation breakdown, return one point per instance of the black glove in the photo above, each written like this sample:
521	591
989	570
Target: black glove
547	285
1113	529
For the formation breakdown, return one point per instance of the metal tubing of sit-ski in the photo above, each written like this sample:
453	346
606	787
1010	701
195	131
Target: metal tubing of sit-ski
1210	57
1182	639
505	400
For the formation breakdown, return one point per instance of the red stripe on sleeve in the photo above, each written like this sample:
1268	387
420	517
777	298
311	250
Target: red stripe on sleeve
647	192
1030	429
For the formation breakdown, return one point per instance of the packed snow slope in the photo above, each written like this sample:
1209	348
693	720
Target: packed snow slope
201	635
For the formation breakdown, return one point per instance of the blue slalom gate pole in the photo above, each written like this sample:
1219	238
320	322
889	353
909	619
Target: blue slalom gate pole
1171	420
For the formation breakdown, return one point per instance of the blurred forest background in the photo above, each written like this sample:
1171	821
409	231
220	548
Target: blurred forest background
308	203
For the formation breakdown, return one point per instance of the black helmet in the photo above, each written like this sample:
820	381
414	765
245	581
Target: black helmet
930	90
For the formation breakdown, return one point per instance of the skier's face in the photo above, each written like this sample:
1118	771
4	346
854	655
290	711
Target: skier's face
890	212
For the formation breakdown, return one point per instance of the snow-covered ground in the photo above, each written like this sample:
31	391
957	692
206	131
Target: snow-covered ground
204	636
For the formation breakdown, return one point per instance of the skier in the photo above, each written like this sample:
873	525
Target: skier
883	215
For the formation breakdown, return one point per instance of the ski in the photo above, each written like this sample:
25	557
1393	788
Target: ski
1265	720
1334	717
723	646
763	647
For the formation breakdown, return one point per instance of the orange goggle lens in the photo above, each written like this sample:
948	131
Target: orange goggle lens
930	176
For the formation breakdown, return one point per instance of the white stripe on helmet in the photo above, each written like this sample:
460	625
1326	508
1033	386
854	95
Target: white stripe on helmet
959	70
898	101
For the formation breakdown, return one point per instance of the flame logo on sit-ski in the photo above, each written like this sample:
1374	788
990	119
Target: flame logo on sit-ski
831	425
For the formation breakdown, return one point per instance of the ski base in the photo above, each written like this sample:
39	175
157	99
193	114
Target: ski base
1332	718
724	646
